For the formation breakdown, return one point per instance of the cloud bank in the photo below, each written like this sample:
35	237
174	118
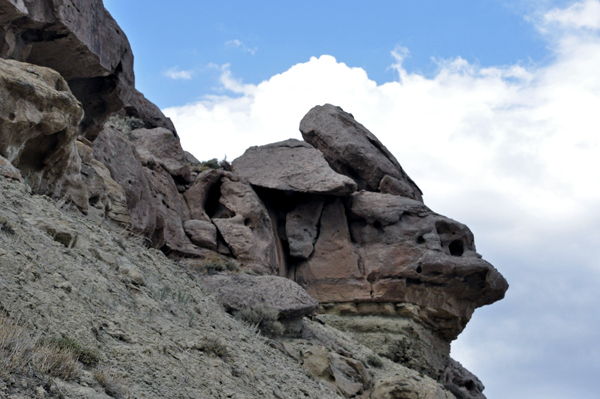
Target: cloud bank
513	151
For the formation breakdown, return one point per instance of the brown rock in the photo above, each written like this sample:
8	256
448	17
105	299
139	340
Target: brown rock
171	212
120	157
39	120
352	150
301	227
203	234
162	147
333	270
240	291
197	196
244	223
80	40
291	165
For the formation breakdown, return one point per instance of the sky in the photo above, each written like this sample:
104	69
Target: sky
491	106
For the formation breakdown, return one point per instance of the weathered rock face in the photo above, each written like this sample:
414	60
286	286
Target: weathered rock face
39	120
291	165
120	157
142	108
161	146
353	151
80	40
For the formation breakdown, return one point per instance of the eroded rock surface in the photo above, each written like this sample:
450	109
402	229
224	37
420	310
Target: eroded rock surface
354	151
80	40
39	119
291	165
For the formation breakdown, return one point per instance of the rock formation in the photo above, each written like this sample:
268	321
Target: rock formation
332	224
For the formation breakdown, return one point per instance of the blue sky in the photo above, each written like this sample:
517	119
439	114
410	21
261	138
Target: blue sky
490	106
262	38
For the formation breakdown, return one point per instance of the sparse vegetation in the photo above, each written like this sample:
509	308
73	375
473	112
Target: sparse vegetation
374	361
6	226
261	317
112	382
215	346
216	264
211	164
125	124
19	352
87	356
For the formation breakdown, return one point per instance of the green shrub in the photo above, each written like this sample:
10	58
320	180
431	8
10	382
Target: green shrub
263	318
125	124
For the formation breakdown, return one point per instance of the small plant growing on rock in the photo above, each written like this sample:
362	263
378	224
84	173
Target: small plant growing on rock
125	124
263	318
112	382
6	226
215	346
217	264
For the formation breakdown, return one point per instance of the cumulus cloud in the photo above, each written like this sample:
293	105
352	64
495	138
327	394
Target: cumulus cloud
177	74
513	151
238	44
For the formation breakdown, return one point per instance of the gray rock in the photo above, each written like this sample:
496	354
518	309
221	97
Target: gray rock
145	110
80	40
301	227
161	146
456	377
120	157
9	171
203	234
352	150
240	291
39	119
291	165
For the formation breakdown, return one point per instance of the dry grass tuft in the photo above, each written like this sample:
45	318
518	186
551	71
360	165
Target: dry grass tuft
19	352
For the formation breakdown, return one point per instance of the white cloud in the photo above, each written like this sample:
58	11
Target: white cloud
178	74
238	44
512	151
585	14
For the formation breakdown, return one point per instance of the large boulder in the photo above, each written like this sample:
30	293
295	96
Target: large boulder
161	146
240	291
39	119
291	165
146	111
354	151
80	40
120	157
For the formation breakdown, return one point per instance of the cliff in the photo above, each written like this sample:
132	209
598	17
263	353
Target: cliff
183	279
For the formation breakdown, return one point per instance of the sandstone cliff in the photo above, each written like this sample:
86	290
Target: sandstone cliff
115	238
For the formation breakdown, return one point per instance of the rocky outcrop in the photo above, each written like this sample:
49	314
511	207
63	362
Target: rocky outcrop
39	120
146	111
80	40
291	165
354	151
120	157
161	146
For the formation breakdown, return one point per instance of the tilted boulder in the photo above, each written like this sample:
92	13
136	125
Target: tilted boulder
80	40
142	108
39	119
291	165
240	291
354	151
9	171
202	233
